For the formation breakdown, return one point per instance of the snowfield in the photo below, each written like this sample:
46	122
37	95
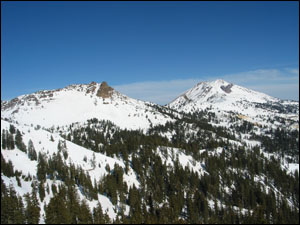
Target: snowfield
75	104
222	97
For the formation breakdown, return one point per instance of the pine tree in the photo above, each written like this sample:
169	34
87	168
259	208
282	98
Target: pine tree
20	212
31	151
7	168
4	139
54	189
41	167
98	217
12	129
4	202
10	141
73	204
12	208
57	211
32	211
41	191
19	142
85	216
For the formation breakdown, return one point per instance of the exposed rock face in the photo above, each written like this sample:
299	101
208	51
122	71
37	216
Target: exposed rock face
227	88
105	91
91	87
16	101
185	97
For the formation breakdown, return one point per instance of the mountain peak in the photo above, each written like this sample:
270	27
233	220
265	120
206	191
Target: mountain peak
105	91
81	102
220	81
219	94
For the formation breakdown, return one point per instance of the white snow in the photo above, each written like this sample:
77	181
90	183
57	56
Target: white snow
73	104
170	155
242	101
42	143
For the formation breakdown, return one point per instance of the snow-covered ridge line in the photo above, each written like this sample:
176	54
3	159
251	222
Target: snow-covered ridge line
78	103
221	96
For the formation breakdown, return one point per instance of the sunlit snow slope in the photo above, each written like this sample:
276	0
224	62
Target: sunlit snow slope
43	144
78	103
222	96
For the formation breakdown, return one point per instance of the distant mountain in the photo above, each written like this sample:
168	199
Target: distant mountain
77	103
219	153
221	96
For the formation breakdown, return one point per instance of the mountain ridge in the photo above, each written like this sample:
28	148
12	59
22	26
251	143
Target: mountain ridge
110	158
80	102
221	96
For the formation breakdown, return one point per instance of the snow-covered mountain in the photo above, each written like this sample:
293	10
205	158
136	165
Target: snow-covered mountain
221	96
78	103
146	163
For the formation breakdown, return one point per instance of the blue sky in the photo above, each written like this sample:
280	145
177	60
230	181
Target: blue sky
149	50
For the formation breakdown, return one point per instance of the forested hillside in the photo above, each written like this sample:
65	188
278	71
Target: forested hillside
187	171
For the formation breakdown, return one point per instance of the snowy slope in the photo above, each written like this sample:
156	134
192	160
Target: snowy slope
222	96
77	103
42	143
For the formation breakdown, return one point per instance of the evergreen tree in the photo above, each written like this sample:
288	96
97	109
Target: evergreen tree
4	139
73	204
57	211
12	208
98	217
32	211
41	167
12	129
19	142
42	191
7	168
85	216
10	143
31	151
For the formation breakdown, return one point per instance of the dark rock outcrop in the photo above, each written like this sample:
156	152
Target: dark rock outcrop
105	91
92	87
227	88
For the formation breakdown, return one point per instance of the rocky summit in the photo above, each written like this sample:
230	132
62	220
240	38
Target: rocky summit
105	91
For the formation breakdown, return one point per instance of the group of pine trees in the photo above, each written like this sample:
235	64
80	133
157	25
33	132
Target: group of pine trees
235	187
66	207
12	139
13	210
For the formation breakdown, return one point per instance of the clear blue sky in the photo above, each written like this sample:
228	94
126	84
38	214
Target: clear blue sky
48	45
